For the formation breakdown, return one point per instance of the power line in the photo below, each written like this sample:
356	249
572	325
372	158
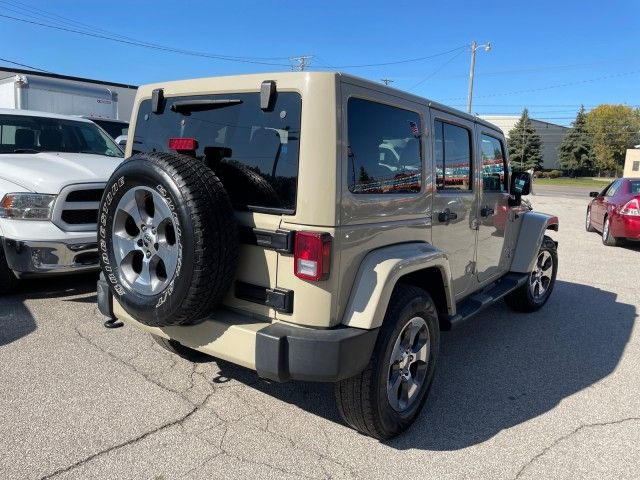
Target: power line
437	70
24	65
568	84
147	45
397	62
52	17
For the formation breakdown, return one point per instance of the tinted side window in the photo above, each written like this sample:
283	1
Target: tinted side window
384	148
493	165
452	157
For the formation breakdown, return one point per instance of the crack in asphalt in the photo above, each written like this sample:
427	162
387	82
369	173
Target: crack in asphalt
567	436
225	423
121	445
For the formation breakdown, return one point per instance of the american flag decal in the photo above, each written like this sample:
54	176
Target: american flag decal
414	129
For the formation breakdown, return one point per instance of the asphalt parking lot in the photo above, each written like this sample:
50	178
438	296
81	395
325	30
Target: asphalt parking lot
555	394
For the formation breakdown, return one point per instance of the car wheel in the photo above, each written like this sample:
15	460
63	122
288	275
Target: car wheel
177	348
167	238
536	291
588	225
387	396
8	280
608	239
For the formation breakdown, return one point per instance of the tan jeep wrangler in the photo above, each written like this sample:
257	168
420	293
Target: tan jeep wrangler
318	227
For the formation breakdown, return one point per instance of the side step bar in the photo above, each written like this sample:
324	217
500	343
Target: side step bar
479	301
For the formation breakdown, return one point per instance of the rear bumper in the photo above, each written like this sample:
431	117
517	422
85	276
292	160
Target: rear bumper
277	351
625	226
35	258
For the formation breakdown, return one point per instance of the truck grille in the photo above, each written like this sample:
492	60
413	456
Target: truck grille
77	207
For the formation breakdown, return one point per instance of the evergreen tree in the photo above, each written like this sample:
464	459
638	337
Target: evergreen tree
525	144
576	152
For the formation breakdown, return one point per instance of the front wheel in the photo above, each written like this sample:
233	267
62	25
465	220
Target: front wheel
536	291
387	396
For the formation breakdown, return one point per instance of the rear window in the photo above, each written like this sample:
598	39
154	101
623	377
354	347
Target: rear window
254	152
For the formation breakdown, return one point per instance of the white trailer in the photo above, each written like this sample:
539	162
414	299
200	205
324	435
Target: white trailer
31	92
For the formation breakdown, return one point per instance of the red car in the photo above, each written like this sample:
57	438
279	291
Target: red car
616	211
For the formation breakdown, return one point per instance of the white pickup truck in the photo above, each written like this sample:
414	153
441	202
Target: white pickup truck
53	169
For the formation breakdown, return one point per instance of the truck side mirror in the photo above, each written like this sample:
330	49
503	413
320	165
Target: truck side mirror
520	183
121	141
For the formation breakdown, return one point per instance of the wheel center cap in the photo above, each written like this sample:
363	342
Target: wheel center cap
146	239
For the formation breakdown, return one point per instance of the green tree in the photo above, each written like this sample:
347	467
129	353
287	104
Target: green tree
613	129
525	144
576	152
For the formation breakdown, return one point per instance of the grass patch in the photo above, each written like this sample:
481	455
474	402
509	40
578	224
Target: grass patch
584	182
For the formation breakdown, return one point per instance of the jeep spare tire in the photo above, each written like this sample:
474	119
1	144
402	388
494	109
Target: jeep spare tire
167	238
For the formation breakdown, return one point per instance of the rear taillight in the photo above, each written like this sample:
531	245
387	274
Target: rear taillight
312	255
183	144
631	208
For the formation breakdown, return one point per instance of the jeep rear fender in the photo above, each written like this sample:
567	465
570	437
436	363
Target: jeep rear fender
379	273
532	231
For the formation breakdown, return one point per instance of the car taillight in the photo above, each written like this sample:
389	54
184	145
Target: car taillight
312	255
183	144
631	208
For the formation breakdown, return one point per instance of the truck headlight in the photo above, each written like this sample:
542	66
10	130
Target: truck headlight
27	206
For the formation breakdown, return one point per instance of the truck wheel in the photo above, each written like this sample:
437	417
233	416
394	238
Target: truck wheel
387	396
608	239
167	238
8	281
536	291
588	225
177	348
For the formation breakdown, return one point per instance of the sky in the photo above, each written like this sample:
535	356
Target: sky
550	56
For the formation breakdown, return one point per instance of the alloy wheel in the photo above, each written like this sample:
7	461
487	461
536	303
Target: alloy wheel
144	240
540	279
408	364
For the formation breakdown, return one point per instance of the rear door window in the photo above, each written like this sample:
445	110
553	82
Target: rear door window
384	148
259	149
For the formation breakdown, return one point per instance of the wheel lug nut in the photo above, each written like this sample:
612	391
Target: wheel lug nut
139	242
144	227
148	254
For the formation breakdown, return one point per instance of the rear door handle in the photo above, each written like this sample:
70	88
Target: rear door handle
447	216
486	212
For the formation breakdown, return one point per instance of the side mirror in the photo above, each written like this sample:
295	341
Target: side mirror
520	183
121	141
594	194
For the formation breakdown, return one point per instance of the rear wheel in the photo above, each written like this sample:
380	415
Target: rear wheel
387	396
536	291
608	239
8	280
588	225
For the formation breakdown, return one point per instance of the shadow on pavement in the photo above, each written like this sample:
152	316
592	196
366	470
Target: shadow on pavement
500	370
16	320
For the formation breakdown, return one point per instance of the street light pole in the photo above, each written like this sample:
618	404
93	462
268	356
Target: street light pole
474	47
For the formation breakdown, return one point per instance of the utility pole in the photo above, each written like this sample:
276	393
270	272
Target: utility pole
303	62
386	81
474	47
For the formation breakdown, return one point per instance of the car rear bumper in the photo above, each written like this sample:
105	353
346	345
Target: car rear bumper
35	258
626	226
277	351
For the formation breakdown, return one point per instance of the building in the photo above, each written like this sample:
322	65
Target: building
125	93
632	163
550	133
